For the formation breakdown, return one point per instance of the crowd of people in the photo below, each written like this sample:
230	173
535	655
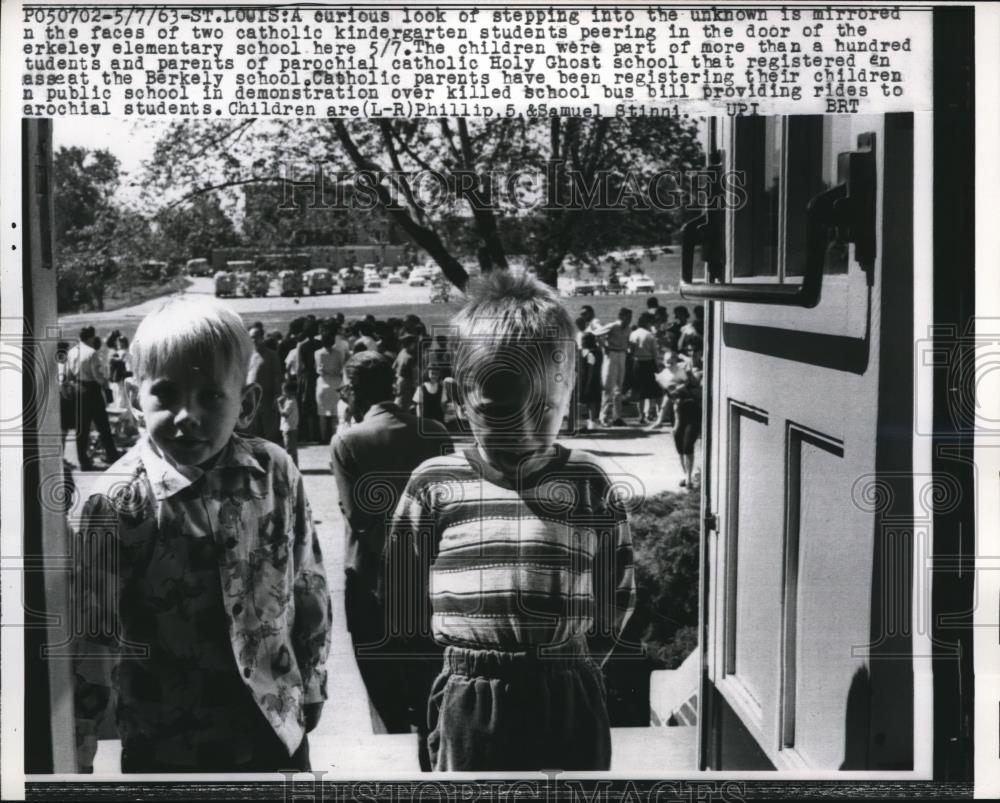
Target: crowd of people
653	363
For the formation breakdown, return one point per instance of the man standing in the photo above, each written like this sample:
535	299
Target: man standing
380	450
306	362
265	370
615	336
406	371
85	367
590	318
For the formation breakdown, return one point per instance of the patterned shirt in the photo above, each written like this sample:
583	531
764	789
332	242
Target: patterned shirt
511	563
208	586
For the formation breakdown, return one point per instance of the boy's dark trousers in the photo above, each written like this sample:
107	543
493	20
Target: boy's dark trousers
380	669
93	410
493	711
398	683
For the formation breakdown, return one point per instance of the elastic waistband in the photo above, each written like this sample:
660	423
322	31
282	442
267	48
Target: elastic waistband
503	663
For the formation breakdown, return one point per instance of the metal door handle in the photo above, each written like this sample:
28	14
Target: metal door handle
849	207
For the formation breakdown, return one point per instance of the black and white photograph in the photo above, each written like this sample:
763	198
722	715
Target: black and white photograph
422	450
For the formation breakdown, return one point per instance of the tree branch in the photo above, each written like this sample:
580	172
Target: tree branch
448	137
386	128
405	148
423	236
222	186
492	252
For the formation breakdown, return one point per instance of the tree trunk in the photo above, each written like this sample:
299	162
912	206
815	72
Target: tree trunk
423	236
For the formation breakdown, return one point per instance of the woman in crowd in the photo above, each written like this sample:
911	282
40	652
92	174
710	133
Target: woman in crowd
329	377
644	353
687	428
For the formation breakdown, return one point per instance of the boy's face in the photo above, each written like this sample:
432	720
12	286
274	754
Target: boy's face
191	414
516	410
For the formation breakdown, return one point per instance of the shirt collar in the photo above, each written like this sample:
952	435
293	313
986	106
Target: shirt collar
390	408
168	479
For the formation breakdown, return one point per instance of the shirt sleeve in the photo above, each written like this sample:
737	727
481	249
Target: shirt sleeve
94	598
313	609
614	585
99	367
405	580
345	474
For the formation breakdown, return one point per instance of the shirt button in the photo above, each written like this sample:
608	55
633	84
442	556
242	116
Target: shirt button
237	609
247	671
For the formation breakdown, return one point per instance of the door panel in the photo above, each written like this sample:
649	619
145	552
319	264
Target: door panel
796	398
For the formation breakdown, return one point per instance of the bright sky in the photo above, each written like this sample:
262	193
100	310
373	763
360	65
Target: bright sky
130	141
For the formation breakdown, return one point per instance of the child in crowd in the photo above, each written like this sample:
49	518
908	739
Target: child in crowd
288	409
515	554
199	568
591	360
669	378
430	396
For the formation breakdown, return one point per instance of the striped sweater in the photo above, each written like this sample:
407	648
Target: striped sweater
483	560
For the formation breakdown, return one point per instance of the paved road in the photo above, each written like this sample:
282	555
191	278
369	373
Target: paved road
391	294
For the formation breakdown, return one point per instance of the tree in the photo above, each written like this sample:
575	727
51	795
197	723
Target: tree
99	242
192	230
86	180
401	162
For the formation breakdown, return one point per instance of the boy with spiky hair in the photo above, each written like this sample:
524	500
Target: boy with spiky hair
514	554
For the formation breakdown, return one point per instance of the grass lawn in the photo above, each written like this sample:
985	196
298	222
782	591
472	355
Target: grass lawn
138	294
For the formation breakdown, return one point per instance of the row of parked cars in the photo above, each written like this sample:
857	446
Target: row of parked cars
294	277
244	280
636	283
248	279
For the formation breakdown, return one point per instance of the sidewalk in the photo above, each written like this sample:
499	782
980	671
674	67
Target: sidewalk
343	743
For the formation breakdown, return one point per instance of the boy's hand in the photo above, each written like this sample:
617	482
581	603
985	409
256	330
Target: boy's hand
313	711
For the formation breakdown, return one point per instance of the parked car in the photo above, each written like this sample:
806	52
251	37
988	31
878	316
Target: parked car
373	282
441	292
396	278
225	284
318	281
416	279
198	267
153	270
352	280
639	283
257	283
586	287
290	282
